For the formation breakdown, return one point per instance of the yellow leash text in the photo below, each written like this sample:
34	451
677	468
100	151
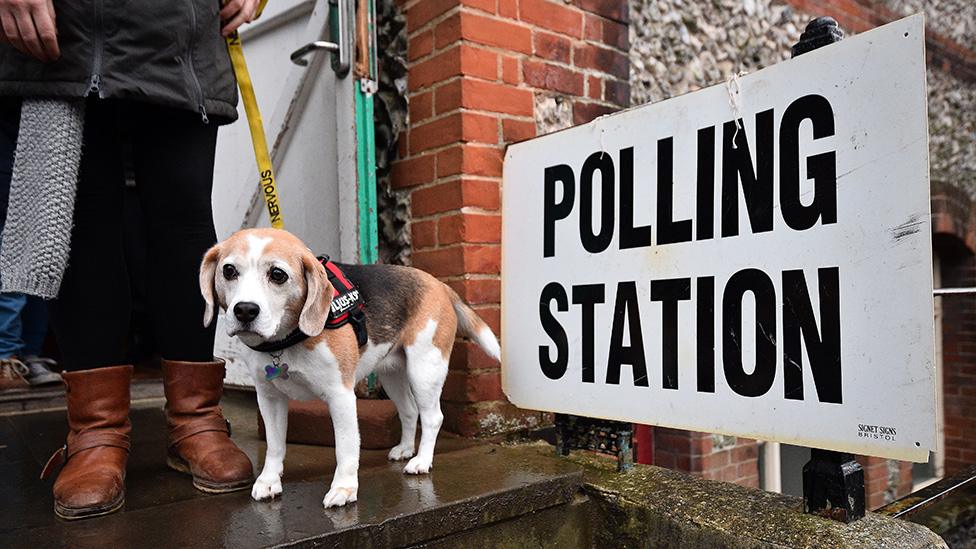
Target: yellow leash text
269	187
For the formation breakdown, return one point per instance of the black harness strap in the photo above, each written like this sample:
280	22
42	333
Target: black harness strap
347	308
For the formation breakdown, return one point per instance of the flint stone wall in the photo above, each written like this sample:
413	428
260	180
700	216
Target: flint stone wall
678	46
955	19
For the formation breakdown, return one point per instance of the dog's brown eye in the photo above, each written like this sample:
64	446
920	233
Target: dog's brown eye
230	272
277	275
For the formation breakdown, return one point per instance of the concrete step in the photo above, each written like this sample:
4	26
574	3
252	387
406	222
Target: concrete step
473	489
478	496
486	491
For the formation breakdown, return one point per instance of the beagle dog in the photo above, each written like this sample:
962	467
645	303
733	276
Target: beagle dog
268	285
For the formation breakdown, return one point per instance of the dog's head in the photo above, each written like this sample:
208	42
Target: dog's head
266	282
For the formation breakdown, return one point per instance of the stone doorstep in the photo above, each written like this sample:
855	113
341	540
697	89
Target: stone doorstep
309	422
469	489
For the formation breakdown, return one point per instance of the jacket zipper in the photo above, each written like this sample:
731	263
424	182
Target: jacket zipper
96	77
189	61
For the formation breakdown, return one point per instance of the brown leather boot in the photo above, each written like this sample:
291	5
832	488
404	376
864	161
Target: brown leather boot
92	482
199	436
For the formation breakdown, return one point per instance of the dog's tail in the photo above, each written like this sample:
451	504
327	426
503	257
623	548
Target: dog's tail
472	326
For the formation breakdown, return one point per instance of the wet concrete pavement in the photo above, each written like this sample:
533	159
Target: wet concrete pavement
472	484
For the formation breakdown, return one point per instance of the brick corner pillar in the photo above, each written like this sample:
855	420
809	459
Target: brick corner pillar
477	69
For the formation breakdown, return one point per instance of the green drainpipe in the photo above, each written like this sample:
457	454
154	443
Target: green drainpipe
366	175
366	164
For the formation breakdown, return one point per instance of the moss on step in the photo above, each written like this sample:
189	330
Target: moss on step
656	507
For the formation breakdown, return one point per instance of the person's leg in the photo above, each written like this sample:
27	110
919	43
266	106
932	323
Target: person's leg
91	314
40	370
174	175
10	303
33	326
11	343
12	372
91	319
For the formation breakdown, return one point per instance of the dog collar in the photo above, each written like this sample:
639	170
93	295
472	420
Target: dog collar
347	308
293	338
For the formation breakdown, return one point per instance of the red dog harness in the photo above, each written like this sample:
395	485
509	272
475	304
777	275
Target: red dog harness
347	304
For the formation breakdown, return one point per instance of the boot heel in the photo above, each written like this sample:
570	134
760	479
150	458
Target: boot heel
178	464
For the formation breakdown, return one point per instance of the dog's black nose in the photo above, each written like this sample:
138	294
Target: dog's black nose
245	311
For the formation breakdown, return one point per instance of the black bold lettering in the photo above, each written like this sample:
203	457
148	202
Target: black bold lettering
705	301
599	241
553	368
627	308
821	168
552	210
669	292
630	236
705	203
823	345
587	296
761	379
757	185
668	230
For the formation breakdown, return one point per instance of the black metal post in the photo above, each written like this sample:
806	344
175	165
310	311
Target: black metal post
822	31
833	486
833	483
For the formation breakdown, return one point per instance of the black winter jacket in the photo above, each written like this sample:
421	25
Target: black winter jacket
166	52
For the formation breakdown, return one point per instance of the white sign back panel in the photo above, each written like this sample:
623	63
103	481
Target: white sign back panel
662	266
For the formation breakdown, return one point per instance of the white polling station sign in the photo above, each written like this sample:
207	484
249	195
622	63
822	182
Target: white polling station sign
663	266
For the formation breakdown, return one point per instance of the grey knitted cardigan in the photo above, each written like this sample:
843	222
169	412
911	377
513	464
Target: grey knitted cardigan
37	235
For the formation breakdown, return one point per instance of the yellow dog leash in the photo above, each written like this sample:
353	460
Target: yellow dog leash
269	187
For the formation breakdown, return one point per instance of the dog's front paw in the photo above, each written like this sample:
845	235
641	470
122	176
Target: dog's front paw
401	452
263	489
337	497
418	466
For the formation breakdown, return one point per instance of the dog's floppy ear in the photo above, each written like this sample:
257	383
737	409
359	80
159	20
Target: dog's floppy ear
208	269
318	297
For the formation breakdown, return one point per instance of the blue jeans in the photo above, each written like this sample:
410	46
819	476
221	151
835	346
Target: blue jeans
23	319
23	324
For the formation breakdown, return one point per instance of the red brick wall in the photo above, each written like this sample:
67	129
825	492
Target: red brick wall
953	223
884	480
475	68
954	227
959	365
712	457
